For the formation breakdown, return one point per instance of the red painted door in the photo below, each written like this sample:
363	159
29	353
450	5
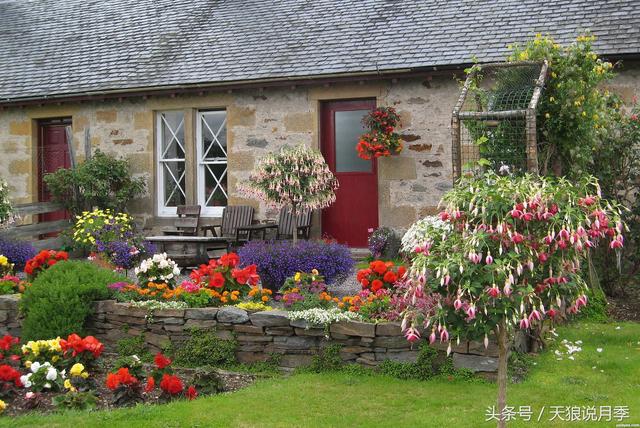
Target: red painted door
53	154
356	207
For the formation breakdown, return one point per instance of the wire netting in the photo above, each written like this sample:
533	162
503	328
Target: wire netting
493	120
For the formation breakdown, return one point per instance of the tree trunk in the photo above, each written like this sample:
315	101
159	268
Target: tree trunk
294	224
501	334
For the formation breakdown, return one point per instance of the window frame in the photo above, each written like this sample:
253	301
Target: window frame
162	209
215	211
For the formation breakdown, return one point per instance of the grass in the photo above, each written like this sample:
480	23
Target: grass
342	399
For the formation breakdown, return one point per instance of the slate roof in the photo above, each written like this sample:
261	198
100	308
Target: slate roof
56	48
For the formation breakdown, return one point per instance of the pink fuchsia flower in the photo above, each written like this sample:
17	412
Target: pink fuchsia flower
488	260
524	323
581	301
444	335
534	316
552	313
457	304
474	257
543	257
507	289
517	238
412	334
444	216
493	291
616	243
527	216
515	213
418	249
432	337
471	313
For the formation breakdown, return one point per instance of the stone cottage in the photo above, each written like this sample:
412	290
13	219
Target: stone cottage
193	92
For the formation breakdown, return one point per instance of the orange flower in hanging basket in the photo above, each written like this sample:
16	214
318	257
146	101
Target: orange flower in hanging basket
381	140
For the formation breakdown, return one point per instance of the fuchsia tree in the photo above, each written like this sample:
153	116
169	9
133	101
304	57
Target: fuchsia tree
297	178
510	257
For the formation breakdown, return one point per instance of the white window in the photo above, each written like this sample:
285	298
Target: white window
211	155
171	168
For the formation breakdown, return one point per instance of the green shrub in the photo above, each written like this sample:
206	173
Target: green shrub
422	369
596	310
59	300
134	345
327	360
205	348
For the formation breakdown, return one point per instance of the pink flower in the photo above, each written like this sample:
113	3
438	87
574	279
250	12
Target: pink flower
488	260
543	257
471	313
552	313
616	243
412	334
418	249
432	337
524	323
527	216
444	335
493	291
517	238
535	315
457	304
515	213
507	289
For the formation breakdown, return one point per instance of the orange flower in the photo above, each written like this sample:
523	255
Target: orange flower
265	299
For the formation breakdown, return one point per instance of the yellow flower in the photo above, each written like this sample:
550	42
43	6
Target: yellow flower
84	375
67	384
297	276
77	369
576	103
27	364
3	260
3	406
523	56
584	114
547	115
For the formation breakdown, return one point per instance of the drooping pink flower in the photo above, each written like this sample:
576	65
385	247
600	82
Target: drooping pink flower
535	316
524	323
457	304
412	334
488	260
432	337
493	291
507	289
444	335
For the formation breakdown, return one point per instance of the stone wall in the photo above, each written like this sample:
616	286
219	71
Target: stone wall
261	121
260	334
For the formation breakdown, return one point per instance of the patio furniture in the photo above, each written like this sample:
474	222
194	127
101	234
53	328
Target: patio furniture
187	222
235	220
188	250
284	226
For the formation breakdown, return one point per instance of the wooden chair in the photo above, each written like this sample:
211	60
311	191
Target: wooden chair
284	226
187	223
235	219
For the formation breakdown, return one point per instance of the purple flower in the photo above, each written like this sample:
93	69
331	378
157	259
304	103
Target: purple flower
118	285
17	252
278	260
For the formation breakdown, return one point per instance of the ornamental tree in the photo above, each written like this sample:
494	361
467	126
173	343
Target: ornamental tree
296	178
508	257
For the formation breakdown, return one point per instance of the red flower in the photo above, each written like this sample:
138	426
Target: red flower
191	393
171	384
229	260
8	341
93	345
151	384
376	285
161	361
216	280
9	374
120	378
73	342
390	277
378	267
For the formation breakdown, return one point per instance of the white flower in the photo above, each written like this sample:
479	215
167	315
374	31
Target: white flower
176	270
25	380
52	374
47	385
35	366
599	350
163	264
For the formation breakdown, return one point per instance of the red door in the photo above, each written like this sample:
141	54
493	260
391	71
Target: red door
53	154
356	207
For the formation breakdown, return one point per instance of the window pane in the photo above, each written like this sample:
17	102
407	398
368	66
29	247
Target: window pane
174	181
212	160
171	159
214	134
216	185
349	127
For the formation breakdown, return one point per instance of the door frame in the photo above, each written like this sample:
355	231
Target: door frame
327	126
42	124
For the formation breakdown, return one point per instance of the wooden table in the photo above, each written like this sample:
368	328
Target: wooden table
188	250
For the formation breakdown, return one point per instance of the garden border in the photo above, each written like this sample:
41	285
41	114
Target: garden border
262	334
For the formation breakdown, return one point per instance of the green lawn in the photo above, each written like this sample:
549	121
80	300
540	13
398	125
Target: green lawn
313	400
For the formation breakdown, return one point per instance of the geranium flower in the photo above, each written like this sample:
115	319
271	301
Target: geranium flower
161	360
151	384
191	392
171	384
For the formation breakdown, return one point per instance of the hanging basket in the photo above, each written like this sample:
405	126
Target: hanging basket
381	140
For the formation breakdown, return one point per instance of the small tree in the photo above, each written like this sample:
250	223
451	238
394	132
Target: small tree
6	209
508	256
298	178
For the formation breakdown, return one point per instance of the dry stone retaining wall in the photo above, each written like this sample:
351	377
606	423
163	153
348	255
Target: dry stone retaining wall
260	334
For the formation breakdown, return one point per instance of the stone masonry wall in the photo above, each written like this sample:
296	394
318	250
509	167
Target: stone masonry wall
260	334
261	121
